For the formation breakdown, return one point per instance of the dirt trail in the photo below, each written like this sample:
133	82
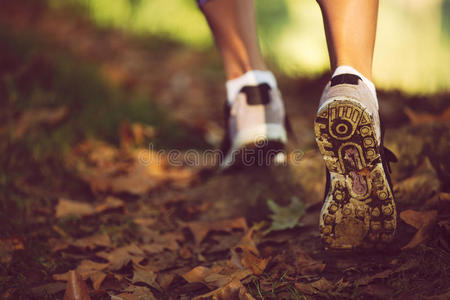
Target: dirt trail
188	231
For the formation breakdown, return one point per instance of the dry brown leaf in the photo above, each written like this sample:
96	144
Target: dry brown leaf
138	293
200	229
185	253
423	221
66	207
160	242
89	243
146	275
233	290
87	269
153	248
76	287
245	255
129	171
216	276
424	118
110	203
122	256
93	241
97	279
322	285
165	279
200	273
146	222
419	187
35	117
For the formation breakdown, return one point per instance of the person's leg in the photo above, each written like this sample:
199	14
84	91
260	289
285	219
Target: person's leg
233	25
255	112
350	27
359	208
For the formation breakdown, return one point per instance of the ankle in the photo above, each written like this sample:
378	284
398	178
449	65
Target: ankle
345	69
250	78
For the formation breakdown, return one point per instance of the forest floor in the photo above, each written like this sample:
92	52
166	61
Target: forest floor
84	110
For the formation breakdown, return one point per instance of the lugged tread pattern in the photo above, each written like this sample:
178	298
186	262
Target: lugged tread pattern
359	210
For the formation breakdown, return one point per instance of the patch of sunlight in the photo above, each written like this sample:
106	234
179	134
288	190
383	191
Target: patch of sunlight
301	49
412	51
179	20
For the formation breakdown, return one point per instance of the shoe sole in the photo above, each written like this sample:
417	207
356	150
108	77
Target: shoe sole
359	210
257	146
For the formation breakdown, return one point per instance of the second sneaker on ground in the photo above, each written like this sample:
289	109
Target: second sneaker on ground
255	130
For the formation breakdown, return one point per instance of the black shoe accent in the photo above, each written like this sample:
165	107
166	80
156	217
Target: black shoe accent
226	142
345	79
257	95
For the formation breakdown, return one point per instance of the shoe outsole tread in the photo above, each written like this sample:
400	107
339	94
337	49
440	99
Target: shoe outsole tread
359	210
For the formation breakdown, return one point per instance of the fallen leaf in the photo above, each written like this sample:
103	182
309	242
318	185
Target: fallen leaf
285	217
93	241
145	274
35	117
109	204
165	279
122	256
214	277
76	288
89	243
87	269
66	207
200	229
128	171
200	273
423	221
137	293
425	118
185	253
419	187
322	285
248	256
233	290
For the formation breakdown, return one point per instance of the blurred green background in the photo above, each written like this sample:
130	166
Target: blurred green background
412	48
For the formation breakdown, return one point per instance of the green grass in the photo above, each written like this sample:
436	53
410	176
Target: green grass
278	287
